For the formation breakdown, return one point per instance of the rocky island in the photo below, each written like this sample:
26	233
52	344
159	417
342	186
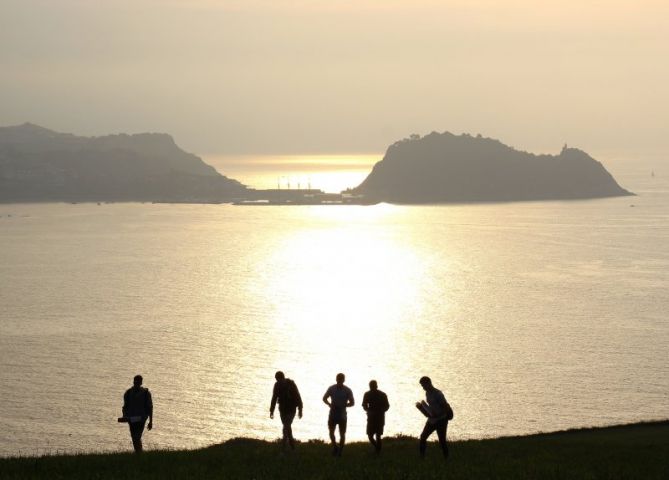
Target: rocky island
448	168
40	165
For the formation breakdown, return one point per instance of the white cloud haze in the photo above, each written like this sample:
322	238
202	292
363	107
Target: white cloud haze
314	76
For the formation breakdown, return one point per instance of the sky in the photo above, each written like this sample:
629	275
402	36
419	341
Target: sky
261	76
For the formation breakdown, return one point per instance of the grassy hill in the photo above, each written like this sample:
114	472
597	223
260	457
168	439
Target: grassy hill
622	452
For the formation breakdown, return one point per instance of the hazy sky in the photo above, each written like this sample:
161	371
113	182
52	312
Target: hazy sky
254	76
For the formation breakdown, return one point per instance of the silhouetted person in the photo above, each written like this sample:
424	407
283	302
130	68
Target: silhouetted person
137	408
375	403
286	393
338	397
436	409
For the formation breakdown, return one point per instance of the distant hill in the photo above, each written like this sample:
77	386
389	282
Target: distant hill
38	164
442	168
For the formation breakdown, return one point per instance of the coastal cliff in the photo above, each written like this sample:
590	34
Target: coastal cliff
39	165
448	168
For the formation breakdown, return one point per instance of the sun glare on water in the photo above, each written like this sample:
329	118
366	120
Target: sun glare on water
344	293
330	173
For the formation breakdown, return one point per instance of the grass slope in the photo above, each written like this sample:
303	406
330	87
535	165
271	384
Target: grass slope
622	452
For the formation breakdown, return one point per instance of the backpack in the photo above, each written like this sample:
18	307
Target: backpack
449	411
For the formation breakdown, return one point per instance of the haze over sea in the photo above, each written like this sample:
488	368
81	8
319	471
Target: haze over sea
530	316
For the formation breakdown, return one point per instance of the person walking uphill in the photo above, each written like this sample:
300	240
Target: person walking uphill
438	413
338	397
137	408
288	396
375	403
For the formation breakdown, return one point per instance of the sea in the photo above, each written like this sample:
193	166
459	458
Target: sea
530	317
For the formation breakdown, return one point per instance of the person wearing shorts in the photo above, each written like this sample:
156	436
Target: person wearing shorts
338	397
375	403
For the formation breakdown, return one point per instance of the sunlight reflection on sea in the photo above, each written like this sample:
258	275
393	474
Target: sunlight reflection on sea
531	317
329	173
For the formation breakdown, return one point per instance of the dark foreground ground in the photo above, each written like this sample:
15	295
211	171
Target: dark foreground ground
623	452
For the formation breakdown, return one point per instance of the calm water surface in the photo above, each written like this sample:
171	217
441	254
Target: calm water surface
531	317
